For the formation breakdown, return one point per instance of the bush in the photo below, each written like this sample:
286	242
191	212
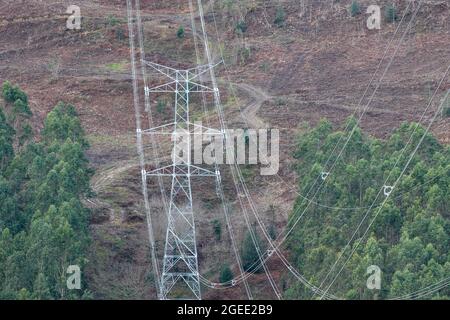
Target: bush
250	258
180	32
22	108
217	229
447	112
120	34
280	17
27	134
113	20
13	93
160	106
226	274
244	55
391	13
355	9
241	26
272	232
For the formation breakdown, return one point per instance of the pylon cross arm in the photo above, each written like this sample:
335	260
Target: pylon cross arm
167	71
169	129
170	87
198	71
182	171
163	129
163	88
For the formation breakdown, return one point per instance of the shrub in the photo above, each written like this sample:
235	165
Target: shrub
120	34
13	93
355	9
217	229
447	112
27	133
226	274
160	106
390	13
244	55
22	108
241	26
113	20
250	258
280	17
180	32
272	232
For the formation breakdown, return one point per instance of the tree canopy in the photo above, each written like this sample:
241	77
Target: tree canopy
43	224
410	236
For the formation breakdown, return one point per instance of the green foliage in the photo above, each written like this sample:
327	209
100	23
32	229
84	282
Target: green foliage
63	123
43	225
161	106
6	142
18	115
120	33
244	55
447	112
21	108
112	20
217	226
390	13
250	259
410	236
13	93
280	17
226	275
355	9
272	231
241	26
180	32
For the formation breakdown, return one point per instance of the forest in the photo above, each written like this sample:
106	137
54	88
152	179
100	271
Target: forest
410	235
43	224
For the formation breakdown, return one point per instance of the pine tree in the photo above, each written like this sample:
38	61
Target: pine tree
250	258
355	8
280	17
391	13
41	290
226	274
180	32
6	142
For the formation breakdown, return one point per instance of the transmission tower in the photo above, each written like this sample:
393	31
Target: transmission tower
179	278
180	264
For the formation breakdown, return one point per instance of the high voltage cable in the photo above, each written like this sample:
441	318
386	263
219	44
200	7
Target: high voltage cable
290	267
144	78
396	32
140	149
397	180
223	127
219	185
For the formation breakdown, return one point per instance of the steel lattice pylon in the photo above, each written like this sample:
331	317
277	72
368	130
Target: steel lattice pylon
180	275
180	263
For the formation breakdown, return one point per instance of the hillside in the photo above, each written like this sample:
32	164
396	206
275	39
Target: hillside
315	62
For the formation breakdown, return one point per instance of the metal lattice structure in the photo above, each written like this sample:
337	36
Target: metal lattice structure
180	263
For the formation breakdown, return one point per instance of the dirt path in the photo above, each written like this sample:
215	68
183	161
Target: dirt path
259	96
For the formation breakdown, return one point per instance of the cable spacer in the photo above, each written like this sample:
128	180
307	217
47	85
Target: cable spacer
388	190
